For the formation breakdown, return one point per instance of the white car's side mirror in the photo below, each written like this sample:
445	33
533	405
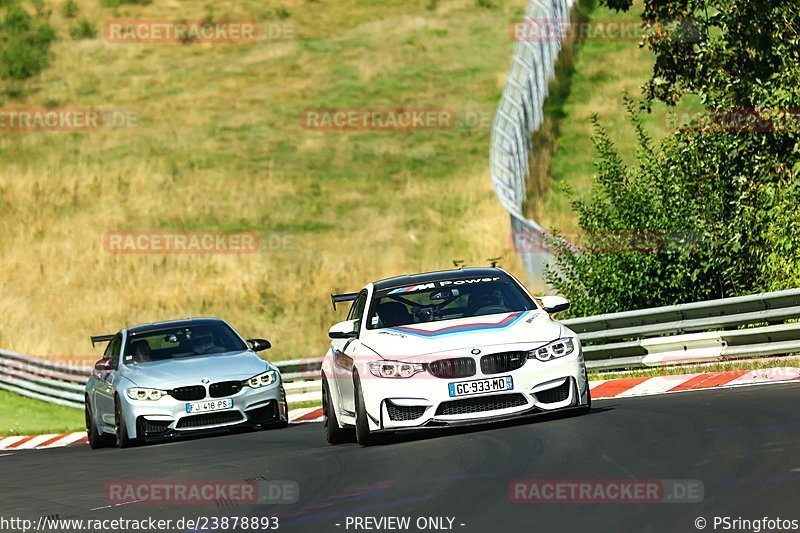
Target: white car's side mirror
554	304
344	330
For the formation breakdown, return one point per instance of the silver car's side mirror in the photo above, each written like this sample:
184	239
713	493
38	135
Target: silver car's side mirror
344	330
259	345
554	304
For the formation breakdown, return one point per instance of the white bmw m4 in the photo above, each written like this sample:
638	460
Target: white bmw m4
447	348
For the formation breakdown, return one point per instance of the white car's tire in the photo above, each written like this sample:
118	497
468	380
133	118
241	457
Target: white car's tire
333	433
584	409
363	435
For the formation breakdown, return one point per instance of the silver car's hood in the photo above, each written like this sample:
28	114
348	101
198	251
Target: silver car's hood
190	370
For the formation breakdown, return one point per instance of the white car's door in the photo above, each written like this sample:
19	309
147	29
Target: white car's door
343	357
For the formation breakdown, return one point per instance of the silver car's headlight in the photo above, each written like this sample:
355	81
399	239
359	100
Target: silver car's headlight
554	350
138	393
262	380
395	369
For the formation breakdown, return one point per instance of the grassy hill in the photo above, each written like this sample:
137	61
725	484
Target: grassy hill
601	69
217	144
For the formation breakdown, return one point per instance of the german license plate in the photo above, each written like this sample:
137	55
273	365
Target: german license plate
480	386
213	405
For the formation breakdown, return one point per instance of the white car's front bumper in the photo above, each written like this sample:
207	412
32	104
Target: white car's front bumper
424	400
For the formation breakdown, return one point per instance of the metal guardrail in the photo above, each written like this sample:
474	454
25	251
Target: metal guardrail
64	384
519	114
713	330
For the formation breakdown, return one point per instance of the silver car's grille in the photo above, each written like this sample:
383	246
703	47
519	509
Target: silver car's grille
209	419
188	394
224	388
461	367
498	363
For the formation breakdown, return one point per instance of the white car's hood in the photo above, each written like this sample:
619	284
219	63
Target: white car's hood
217	367
464	333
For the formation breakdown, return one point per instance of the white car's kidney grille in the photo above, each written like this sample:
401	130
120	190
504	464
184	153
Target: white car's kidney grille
188	394
401	413
462	367
498	363
481	404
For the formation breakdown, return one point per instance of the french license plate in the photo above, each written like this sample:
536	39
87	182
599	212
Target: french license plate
213	405
480	386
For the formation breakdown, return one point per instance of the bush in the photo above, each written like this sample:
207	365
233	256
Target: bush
25	40
69	9
726	199
83	30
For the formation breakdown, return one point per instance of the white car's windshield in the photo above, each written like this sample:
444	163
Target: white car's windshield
446	300
176	343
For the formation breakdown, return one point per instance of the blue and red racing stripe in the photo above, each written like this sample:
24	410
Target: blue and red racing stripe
507	322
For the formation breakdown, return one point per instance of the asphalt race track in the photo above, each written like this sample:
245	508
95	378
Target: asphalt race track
742	443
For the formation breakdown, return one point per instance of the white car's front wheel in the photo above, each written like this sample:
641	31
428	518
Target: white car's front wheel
333	433
363	435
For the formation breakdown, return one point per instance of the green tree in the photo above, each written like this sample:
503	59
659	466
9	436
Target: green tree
723	193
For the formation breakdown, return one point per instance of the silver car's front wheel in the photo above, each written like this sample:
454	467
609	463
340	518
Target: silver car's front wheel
123	440
96	439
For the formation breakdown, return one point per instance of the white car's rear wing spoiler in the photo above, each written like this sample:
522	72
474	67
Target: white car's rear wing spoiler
345	297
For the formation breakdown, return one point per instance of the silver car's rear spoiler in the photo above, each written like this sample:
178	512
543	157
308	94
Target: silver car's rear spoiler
345	297
101	338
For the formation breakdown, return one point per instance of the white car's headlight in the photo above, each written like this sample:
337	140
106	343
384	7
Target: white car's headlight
395	369
554	350
262	380
138	393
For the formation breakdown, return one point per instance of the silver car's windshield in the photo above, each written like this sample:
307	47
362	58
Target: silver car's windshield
183	342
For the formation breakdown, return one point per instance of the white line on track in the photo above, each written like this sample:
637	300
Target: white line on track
5	454
115	505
